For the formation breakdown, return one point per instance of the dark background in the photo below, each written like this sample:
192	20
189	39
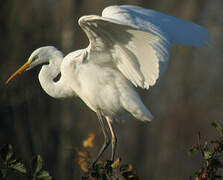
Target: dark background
186	99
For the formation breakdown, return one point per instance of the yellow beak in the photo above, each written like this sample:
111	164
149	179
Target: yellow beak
21	69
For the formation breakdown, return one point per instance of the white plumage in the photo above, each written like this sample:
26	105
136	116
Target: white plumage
128	45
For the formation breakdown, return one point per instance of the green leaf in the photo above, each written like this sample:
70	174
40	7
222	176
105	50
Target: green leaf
120	178
193	175
36	165
19	167
6	152
214	124
218	127
3	173
107	177
44	175
207	155
193	151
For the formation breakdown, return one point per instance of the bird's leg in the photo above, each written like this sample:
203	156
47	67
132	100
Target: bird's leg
106	137
114	138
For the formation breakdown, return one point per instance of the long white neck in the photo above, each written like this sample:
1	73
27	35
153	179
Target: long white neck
48	73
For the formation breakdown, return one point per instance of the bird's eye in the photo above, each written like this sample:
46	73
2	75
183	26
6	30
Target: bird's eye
35	57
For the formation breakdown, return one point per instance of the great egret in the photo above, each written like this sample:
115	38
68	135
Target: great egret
129	45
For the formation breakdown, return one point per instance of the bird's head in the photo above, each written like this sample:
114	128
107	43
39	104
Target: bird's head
38	57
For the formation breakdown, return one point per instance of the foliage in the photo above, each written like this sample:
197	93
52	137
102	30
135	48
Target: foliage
211	153
107	170
9	163
100	171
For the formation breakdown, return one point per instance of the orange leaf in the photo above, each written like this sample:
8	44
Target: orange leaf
203	176
83	164
80	160
84	154
89	141
116	164
130	167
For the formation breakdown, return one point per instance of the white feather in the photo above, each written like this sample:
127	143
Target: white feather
139	40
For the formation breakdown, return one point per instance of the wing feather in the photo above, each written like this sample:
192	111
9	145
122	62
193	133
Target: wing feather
136	42
178	31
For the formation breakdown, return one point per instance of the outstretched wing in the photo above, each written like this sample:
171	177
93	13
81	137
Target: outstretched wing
138	40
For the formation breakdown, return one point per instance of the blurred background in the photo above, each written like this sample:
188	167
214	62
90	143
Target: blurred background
185	100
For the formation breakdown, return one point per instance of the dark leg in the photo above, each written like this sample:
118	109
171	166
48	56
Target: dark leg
114	139
106	137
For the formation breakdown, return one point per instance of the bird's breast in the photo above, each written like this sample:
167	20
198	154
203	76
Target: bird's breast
98	88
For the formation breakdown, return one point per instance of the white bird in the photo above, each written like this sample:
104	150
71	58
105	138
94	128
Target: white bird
128	46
